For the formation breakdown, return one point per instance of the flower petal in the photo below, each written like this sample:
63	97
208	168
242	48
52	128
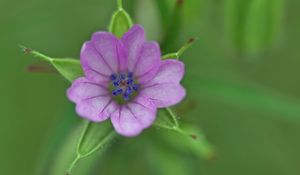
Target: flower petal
170	71
149	58
111	50
164	95
131	119
134	40
93	64
145	78
82	89
164	89
92	100
96	109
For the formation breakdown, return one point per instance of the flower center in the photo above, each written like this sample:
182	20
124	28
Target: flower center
123	85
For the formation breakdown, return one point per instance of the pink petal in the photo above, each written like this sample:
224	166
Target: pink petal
93	65
82	89
164	89
149	59
92	100
164	95
96	109
134	40
131	119
111	50
145	78
170	71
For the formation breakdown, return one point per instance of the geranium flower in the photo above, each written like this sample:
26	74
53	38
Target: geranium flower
126	81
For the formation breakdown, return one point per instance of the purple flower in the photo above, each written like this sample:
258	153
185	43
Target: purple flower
126	81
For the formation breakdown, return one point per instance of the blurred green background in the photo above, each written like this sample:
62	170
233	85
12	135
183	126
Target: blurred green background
242	80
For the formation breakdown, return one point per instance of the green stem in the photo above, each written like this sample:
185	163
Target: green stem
86	125
173	117
178	54
120	4
72	165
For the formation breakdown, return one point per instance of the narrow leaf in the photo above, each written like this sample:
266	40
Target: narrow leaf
163	161
246	95
172	28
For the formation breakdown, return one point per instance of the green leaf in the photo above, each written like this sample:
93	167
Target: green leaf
120	22
166	119
190	140
69	68
164	12
172	29
261	24
95	137
186	138
235	14
245	95
163	161
253	25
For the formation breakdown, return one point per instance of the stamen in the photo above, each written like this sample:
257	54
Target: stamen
129	90
123	84
135	87
122	76
130	75
113	77
126	96
130	81
116	83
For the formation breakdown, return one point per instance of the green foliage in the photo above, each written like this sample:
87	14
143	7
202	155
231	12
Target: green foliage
171	27
120	22
186	138
253	25
95	137
247	96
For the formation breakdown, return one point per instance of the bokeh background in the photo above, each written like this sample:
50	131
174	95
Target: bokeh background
242	80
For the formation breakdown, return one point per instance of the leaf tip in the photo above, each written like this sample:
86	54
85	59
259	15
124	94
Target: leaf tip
192	40
26	50
194	136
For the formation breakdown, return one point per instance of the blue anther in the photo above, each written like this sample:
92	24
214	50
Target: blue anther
135	87
126	96
130	81
120	91
129	90
117	91
113	77
122	76
116	83
130	75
